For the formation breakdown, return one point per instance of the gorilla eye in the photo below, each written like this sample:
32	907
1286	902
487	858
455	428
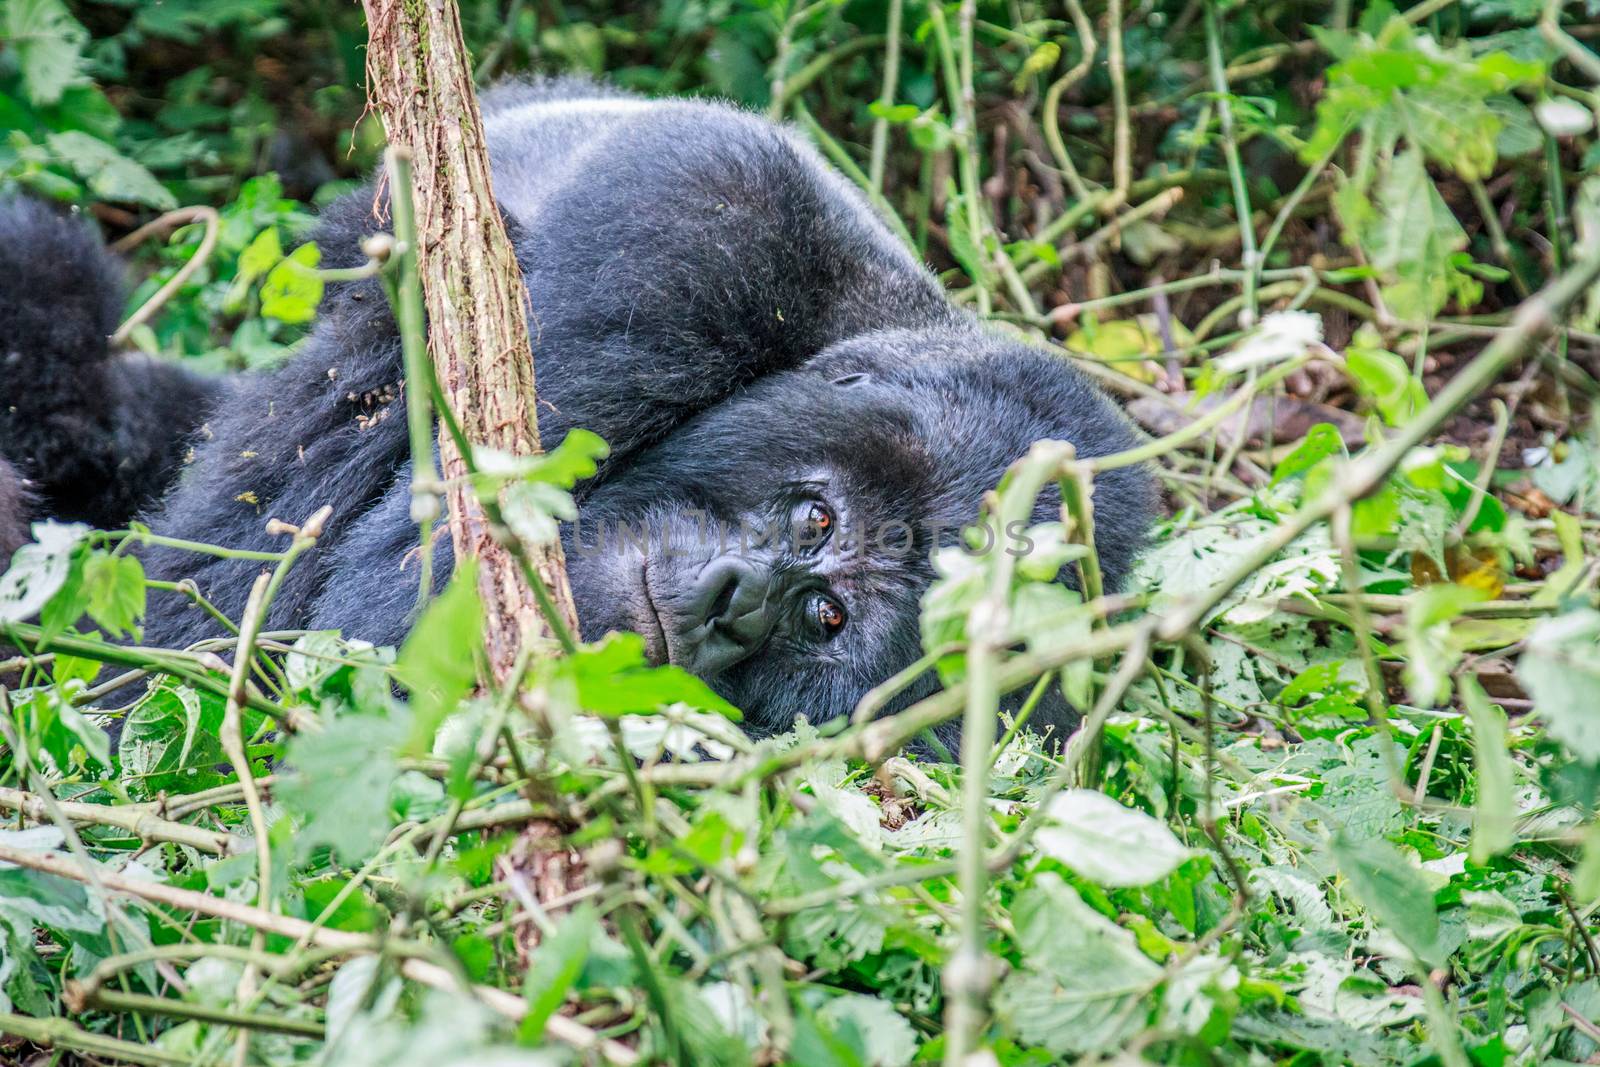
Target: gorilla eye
813	524
829	615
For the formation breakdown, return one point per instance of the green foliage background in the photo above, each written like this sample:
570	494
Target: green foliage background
1346	815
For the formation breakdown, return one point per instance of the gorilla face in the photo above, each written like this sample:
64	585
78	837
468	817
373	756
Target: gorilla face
778	546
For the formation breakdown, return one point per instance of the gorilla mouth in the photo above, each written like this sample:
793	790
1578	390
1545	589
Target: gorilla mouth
656	650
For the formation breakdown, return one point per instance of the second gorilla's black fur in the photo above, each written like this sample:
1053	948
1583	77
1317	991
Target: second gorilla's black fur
98	438
714	301
15	507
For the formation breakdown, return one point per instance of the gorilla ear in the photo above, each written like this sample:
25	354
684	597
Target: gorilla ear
852	379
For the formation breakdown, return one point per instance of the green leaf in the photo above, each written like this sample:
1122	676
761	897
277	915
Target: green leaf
116	591
613	678
439	661
882	1033
293	288
1431	654
260	256
1320	442
535	496
1107	842
1561	669
40	899
555	968
1414	240
39	570
109	174
534	511
1395	82
48	43
1494	809
169	742
1082	974
1384	378
81	729
895	113
338	784
1393	892
353	912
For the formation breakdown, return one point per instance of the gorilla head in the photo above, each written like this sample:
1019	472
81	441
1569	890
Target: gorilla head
779	545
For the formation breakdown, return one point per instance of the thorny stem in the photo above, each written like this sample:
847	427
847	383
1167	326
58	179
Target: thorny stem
185	667
62	1034
140	820
958	87
1058	88
1230	151
891	79
208	243
1570	46
404	289
780	62
1122	129
233	745
969	974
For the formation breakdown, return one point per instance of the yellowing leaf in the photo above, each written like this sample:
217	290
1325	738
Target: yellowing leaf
1126	344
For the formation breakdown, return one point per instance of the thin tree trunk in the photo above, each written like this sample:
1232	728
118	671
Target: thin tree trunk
421	84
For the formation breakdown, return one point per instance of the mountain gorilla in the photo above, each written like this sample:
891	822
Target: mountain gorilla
709	297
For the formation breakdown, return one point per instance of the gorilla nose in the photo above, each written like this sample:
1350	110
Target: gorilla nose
727	614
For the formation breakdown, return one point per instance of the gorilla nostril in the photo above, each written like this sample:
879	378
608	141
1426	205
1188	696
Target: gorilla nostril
726	616
720	603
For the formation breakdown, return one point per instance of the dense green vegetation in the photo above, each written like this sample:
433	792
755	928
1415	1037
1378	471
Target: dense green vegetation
1336	798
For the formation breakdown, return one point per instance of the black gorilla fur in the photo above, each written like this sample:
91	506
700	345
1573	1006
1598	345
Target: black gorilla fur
14	508
99	438
709	297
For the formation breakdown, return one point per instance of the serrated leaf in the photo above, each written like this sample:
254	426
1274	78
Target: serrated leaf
1107	842
613	678
882	1033
49	47
39	569
1413	241
439	661
116	591
293	288
338	784
1561	669
169	742
1082	972
109	174
1320	442
260	256
1384	378
1393	891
